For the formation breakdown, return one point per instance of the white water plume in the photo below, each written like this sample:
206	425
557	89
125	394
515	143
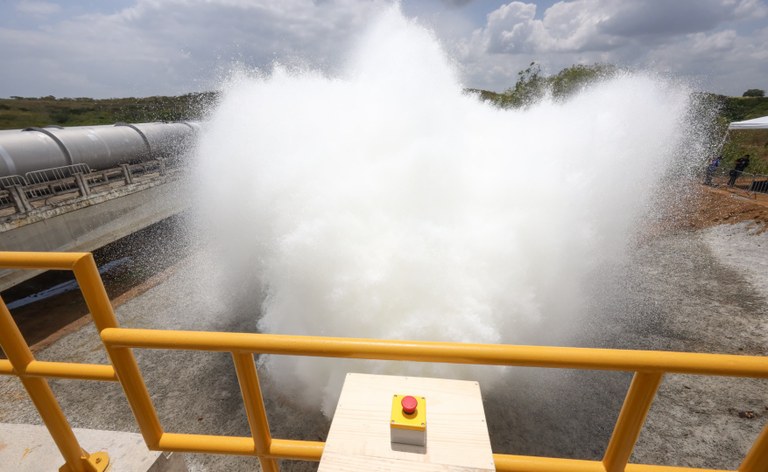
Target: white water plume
385	202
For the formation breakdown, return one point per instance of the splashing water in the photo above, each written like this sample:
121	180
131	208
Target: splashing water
385	202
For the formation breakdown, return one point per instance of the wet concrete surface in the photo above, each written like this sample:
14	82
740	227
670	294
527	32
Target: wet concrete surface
51	301
673	294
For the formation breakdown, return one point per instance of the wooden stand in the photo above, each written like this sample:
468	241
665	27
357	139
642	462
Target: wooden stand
359	438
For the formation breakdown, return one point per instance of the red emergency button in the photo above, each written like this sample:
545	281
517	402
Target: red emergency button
409	404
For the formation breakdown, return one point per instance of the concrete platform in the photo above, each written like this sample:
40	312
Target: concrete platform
29	448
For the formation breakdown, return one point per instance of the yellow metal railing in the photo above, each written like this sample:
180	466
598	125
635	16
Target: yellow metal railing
648	367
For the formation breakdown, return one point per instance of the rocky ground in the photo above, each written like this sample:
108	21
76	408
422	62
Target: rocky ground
700	284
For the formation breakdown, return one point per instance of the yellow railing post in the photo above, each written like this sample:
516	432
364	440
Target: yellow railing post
123	361
254	408
17	350
638	401
757	457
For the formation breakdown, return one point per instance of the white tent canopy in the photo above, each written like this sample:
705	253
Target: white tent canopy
757	123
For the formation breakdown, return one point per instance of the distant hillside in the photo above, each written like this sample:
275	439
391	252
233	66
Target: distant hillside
742	108
730	108
24	112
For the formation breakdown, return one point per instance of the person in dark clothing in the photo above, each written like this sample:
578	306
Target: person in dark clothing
741	164
711	169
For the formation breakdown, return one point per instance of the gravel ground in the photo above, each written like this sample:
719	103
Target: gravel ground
702	291
744	248
683	292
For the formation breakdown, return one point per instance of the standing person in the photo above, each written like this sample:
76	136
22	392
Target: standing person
741	164
711	168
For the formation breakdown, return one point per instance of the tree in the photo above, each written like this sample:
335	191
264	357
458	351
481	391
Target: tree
530	86
754	93
573	79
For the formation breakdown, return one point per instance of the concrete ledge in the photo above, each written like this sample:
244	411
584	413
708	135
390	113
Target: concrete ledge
90	223
29	448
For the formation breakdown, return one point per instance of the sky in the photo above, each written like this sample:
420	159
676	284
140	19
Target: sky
134	48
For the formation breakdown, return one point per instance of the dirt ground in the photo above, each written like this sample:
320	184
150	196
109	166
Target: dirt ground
705	207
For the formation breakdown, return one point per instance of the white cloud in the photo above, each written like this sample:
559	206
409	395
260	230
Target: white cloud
564	27
723	41
177	46
166	46
574	26
635	33
595	25
510	28
749	8
726	50
40	8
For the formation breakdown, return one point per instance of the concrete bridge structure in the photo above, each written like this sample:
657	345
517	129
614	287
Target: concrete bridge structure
86	187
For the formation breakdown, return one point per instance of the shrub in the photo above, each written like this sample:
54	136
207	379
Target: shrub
754	93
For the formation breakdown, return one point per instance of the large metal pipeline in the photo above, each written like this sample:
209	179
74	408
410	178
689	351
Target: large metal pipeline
99	147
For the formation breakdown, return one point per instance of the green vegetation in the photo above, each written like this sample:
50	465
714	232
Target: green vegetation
754	93
753	142
532	85
740	142
24	112
738	108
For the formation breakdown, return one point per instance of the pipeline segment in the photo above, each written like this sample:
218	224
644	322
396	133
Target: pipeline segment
100	147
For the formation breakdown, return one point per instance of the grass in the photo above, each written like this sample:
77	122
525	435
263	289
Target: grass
752	142
740	142
25	112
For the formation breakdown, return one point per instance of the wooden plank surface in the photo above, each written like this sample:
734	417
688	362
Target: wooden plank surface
359	438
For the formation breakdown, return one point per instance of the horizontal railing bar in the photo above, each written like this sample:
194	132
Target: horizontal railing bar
293	449
313	450
240	445
668	468
205	443
512	463
62	370
67	370
455	353
40	260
